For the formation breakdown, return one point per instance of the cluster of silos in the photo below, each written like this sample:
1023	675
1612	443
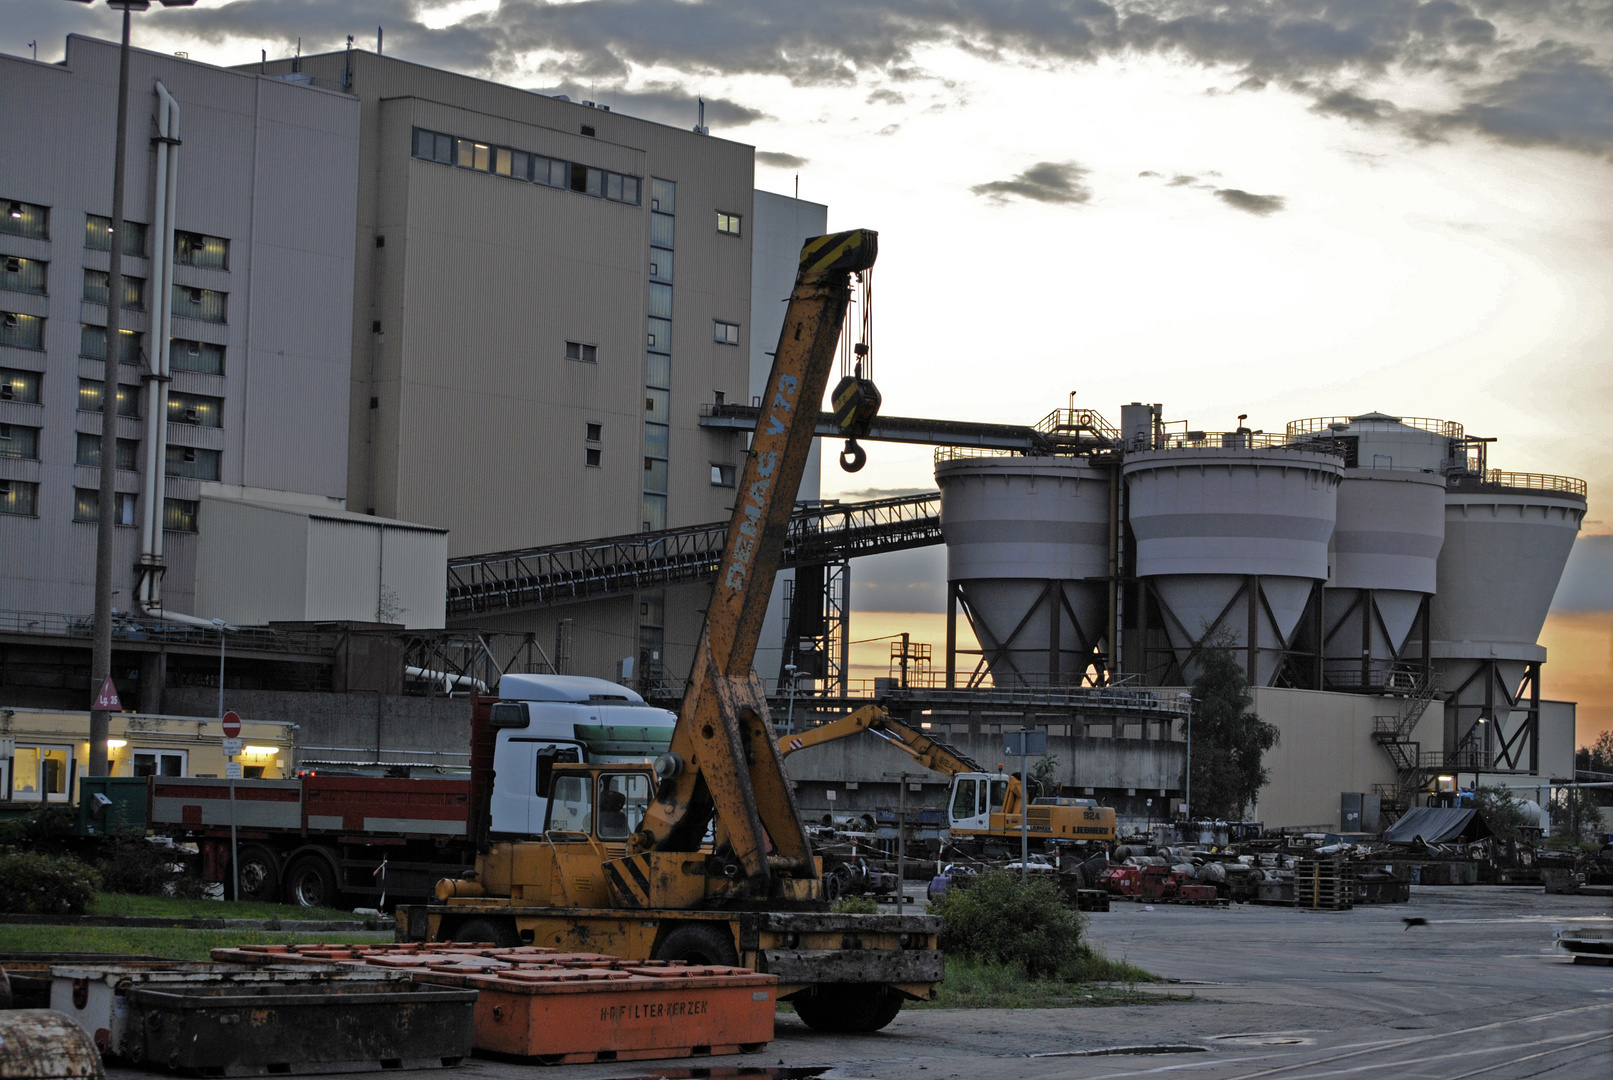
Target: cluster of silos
1231	534
1028	554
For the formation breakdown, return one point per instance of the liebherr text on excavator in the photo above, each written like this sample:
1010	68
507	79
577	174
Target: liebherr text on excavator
704	856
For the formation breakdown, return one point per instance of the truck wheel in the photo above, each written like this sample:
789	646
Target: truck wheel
699	943
848	1007
310	882
260	875
499	931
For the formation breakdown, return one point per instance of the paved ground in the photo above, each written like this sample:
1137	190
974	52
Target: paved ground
1479	991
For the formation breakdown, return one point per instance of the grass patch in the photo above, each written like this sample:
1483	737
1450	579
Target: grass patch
1090	979
168	907
173	944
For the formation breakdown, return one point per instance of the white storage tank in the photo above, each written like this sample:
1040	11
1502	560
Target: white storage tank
1028	550
1232	535
1507	538
1386	544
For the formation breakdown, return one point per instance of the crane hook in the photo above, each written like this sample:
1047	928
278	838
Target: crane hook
853	457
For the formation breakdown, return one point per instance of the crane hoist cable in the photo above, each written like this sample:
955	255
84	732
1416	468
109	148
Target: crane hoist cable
856	399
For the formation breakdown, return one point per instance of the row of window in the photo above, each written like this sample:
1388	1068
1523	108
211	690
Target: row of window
190	248
23	387
20	331
520	165
21	498
21	442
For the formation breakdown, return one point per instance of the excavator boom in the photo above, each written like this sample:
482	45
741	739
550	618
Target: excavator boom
724	761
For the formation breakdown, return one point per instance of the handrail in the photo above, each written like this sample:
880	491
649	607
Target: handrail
1232	440
1537	481
1316	425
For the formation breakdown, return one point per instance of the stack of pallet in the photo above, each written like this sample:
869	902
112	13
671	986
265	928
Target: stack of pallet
1325	883
570	1007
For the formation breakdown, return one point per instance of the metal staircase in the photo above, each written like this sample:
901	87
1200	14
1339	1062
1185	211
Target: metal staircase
1393	733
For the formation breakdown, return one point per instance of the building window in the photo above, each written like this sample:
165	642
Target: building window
661	231
192	462
195	409
663	196
723	475
582	352
198	249
98	235
25	219
656	404
725	332
654	516
659	334
157	763
22	275
202	356
87	506
17	441
89	397
179	515
728	223
19	386
661	264
19	497
203	304
92	344
658	370
594	431
95	289
89	452
660	301
433	147
21	331
592	455
474	155
655	475
655	440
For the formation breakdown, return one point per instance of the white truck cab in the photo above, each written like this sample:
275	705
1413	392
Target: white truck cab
544	719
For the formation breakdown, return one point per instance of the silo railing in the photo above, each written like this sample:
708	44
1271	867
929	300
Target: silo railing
1537	481
1322	425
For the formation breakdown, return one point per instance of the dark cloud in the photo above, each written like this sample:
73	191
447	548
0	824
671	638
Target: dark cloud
887	97
1056	182
1182	180
1249	203
1502	61
778	160
1148	172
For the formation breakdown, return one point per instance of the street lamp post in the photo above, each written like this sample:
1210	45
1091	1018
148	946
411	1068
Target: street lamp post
106	515
789	714
1187	783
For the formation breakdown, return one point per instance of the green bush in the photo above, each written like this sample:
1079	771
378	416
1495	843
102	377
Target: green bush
48	829
141	868
1000	920
855	905
33	884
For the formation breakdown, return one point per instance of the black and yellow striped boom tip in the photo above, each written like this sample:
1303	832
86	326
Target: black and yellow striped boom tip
844	251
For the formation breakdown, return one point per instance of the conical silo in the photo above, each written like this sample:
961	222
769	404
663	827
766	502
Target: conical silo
1507	538
1028	552
1231	536
1391	523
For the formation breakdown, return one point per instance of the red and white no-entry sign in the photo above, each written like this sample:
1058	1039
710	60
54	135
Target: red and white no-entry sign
232	725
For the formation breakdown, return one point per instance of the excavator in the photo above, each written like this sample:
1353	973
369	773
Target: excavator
983	809
704	856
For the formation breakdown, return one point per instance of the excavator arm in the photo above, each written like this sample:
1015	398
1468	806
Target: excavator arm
724	763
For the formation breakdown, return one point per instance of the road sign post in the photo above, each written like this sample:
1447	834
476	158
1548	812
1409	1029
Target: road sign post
1025	742
232	771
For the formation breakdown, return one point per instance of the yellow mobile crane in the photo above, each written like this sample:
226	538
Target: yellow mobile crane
624	865
983	809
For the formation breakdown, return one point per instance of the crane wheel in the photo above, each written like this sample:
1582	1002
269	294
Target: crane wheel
500	932
699	943
848	1008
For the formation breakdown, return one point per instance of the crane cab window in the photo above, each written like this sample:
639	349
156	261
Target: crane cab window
623	798
963	800
999	792
571	804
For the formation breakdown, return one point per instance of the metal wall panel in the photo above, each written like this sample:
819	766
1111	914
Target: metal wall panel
344	569
251	563
414	568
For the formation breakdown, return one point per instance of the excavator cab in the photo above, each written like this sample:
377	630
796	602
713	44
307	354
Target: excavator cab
602	802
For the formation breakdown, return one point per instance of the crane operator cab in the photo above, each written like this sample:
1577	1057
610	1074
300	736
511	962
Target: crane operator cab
975	797
601	803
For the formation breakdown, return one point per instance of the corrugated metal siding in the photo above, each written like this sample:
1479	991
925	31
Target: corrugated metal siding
344	569
414	567
251	562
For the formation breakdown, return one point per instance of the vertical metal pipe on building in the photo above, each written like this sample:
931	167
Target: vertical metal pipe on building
952	634
106	516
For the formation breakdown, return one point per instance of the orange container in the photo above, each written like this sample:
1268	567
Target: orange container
568	1007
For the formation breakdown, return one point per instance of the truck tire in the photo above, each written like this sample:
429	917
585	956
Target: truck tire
310	882
259	874
699	943
500	932
848	1007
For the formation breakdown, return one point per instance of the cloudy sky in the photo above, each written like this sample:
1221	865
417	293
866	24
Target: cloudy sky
1286	209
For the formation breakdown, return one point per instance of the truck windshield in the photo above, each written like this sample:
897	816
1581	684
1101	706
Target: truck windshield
571	807
622	799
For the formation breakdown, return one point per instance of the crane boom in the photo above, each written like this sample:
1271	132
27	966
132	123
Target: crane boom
724	761
930	752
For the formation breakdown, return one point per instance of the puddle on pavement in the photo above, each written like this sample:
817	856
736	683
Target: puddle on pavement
1117	1051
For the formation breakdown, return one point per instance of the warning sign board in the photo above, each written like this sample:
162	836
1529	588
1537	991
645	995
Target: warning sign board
107	699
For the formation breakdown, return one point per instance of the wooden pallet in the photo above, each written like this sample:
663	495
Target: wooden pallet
1324	884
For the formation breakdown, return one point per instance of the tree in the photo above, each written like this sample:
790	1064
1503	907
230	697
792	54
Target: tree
1502	811
1045	776
1229	740
1575	815
1598	756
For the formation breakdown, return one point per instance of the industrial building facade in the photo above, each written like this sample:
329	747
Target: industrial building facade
259	253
